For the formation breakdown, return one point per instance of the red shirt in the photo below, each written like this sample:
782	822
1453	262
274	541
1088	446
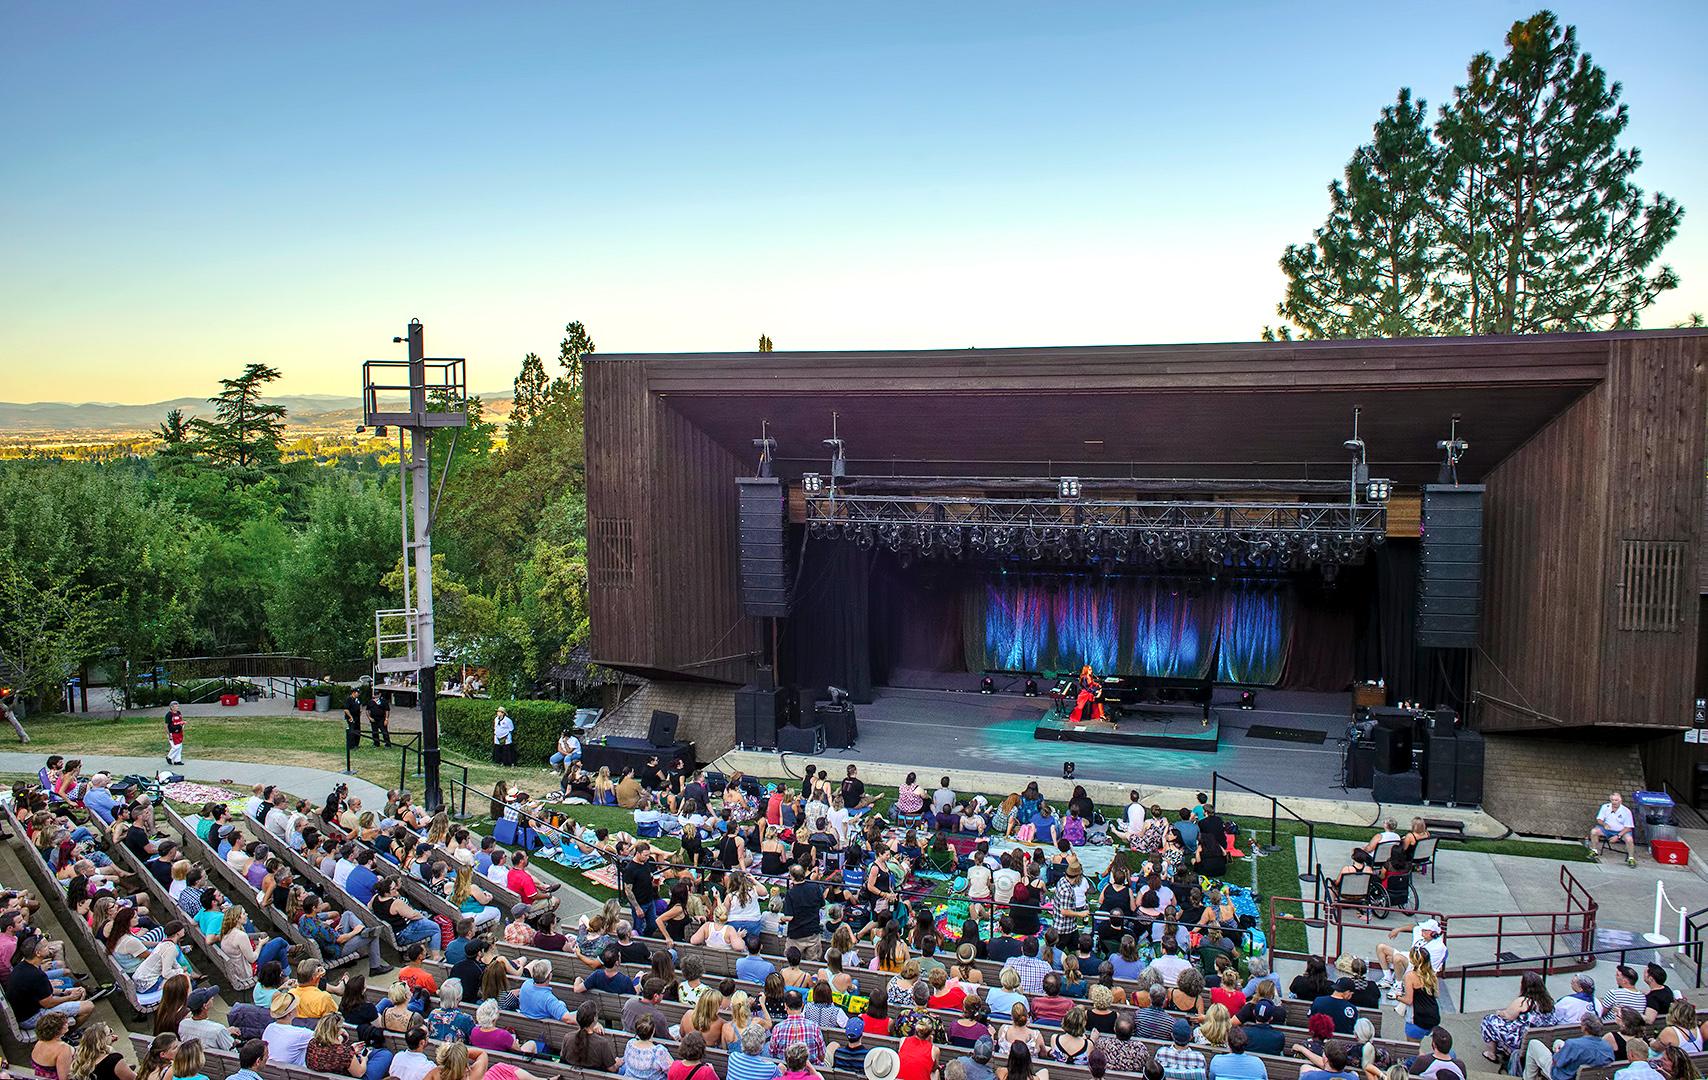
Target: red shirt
951	998
875	1026
915	1056
1232	1000
1051	1009
521	883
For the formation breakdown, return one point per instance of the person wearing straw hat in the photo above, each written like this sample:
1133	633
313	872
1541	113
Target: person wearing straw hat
882	1064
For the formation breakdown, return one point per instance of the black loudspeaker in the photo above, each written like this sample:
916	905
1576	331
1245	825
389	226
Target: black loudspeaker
1468	778
840	731
1450	575
1392	748
662	730
766	576
1360	763
1440	766
801	740
1387	787
756	713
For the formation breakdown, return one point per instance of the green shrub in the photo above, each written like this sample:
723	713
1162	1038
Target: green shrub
465	724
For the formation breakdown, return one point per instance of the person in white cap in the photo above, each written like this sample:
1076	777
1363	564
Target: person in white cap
1426	936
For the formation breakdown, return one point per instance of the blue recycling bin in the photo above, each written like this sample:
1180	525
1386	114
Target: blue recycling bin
1653	811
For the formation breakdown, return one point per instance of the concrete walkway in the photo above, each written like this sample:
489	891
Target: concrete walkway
312	784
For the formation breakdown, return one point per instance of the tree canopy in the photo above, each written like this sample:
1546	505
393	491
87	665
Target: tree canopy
1516	212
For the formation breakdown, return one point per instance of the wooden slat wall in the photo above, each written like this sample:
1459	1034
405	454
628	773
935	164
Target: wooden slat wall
1658	395
1545	570
619	438
697	599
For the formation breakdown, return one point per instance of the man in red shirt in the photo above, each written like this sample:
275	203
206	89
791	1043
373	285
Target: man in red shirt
521	882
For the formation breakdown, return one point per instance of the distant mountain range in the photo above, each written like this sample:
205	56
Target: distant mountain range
316	411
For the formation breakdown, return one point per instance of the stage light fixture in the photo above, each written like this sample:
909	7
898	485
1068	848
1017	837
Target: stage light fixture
1067	770
1247	700
812	483
987	685
1068	487
1379	490
1031	687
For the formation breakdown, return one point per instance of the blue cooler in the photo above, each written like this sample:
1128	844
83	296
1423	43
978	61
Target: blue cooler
1653	811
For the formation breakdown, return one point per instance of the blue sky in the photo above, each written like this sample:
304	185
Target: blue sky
188	187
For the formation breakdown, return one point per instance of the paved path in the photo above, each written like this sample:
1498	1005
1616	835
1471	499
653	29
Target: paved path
312	784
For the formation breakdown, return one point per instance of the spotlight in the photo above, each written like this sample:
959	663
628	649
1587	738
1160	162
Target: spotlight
1247	700
812	483
1067	770
987	685
1031	686
1068	487
1378	490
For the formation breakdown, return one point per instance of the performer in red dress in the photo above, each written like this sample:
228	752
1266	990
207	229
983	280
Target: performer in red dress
1088	706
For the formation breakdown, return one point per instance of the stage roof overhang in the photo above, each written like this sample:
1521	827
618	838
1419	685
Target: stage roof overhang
1260	410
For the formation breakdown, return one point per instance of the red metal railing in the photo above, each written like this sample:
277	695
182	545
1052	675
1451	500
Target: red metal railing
1570	933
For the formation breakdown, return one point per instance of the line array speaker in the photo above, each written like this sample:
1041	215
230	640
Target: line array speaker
766	576
1450	575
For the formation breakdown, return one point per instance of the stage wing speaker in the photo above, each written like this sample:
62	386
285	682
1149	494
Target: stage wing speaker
1468	778
1392	749
838	723
1360	762
1450	575
766	576
1387	787
1440	766
662	731
801	740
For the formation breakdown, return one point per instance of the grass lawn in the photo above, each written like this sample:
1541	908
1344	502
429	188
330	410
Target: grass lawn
316	740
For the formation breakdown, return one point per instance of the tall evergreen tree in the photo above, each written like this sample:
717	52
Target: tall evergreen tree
1544	228
246	431
1371	269
765	343
175	429
1516	214
529	390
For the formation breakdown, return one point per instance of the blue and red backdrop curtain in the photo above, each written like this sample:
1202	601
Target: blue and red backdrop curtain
1233	631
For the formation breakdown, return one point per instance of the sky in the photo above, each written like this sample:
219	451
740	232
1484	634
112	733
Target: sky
185	188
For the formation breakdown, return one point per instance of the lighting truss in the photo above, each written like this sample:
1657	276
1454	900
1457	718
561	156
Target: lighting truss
1293	533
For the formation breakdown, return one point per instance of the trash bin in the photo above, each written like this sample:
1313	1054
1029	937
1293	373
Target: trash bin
1651	809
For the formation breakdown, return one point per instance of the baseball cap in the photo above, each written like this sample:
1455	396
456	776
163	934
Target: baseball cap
984	1049
201	996
1182	1031
518	910
1430	926
1263	1012
1343	986
856	1027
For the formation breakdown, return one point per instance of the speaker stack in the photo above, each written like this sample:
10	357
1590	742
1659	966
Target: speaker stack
840	730
1440	765
1450	579
766	576
1388	787
758	712
1468	770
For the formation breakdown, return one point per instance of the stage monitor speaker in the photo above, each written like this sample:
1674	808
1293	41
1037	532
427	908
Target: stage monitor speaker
1387	787
767	578
1440	766
1468	778
801	740
1360	763
840	731
661	731
1450	572
1392	748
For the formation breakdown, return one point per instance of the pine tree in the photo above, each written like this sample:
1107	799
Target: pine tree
1372	268
175	429
529	390
1516	214
1544	228
764	343
571	351
246	431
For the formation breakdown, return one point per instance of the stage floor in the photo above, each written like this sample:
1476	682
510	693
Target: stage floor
945	729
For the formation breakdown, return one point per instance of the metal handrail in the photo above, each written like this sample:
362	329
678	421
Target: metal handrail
1582	960
1312	873
1695	923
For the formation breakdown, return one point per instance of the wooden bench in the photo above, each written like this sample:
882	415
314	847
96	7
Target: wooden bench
226	971
81	937
237	886
339	897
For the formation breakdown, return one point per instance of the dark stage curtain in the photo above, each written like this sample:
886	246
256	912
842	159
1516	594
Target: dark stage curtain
1391	652
916	618
1320	650
830	630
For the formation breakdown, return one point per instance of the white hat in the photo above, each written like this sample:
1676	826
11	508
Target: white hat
882	1063
1429	926
464	856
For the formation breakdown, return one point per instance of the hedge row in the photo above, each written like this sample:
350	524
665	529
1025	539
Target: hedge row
466	724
